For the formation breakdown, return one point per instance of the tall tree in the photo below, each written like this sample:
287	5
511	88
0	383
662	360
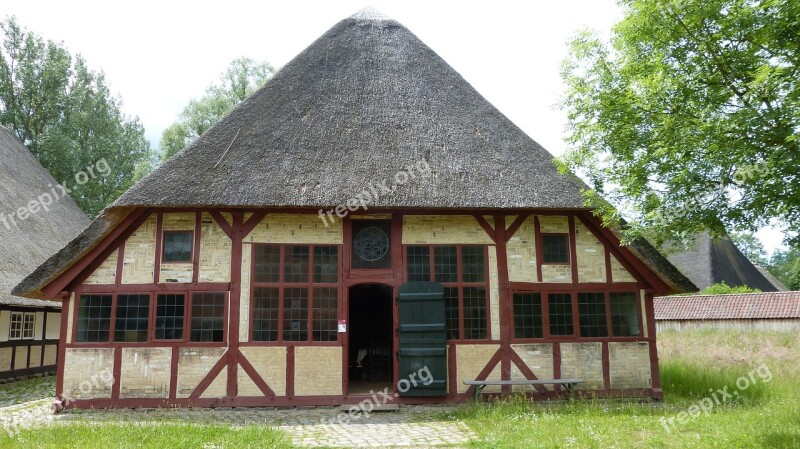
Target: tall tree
785	265
65	114
688	119
243	77
750	246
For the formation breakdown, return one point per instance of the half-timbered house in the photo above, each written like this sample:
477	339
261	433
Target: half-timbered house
365	221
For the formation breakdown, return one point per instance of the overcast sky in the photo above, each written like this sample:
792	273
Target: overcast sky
158	54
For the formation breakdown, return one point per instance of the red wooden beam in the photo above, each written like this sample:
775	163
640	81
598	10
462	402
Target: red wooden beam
573	250
516	225
239	231
173	373
486	226
159	247
256	378
252	222
198	226
221	222
120	264
537	230
526	371
212	374
490	366
503	300
635	266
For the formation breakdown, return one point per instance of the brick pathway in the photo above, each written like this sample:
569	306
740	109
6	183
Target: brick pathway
415	426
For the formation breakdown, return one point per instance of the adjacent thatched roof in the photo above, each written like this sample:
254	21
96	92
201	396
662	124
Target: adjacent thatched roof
364	101
28	243
742	306
714	260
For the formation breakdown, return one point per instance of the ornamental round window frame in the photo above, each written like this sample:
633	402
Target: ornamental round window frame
379	237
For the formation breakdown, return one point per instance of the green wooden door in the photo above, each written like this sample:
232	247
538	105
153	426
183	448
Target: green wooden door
423	354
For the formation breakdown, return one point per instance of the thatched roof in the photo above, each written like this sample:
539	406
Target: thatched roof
30	242
714	260
364	101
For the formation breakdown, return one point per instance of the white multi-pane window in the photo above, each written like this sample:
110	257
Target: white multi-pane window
22	326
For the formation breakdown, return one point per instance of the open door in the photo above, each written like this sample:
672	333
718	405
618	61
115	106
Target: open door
422	340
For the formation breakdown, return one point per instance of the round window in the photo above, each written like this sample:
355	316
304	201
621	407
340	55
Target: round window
371	243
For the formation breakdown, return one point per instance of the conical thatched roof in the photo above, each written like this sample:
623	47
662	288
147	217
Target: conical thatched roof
364	101
28	243
714	260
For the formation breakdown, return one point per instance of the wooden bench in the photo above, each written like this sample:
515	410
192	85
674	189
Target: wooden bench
481	384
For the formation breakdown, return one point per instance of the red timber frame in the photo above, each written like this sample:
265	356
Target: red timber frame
504	225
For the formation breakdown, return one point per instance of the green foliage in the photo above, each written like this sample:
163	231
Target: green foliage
64	113
688	119
750	246
721	288
242	78
785	265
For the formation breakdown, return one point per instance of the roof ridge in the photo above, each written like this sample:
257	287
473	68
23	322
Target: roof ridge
368	13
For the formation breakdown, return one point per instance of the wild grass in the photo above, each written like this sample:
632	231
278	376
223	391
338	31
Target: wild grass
765	414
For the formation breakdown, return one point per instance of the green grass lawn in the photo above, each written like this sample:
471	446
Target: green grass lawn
764	415
163	435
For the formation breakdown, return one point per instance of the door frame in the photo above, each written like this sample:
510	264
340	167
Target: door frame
384	282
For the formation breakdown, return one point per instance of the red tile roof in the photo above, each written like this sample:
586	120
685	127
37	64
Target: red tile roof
744	306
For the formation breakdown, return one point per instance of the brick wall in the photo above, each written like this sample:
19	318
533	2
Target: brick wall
521	249
494	294
629	365
106	273
583	361
193	366
88	373
317	370
215	252
443	229
470	361
270	362
140	254
296	228
591	255
244	297
538	358
145	372
618	272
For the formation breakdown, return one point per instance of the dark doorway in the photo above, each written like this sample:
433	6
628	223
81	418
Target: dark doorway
370	338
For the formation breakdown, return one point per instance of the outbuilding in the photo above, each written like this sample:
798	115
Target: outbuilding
34	224
366	222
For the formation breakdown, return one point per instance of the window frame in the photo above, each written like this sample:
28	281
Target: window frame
164	245
566	236
460	285
576	335
151	326
22	321
309	285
